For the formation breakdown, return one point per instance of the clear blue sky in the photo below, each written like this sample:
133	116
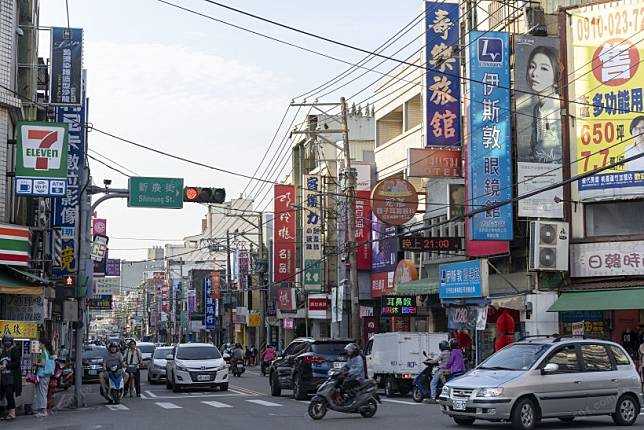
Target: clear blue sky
202	90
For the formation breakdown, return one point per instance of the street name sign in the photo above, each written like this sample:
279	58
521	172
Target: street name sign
164	193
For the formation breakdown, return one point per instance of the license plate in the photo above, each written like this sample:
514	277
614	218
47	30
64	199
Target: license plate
459	405
203	377
338	364
92	372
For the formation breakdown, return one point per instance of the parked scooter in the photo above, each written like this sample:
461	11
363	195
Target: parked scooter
63	375
421	386
115	386
329	396
237	368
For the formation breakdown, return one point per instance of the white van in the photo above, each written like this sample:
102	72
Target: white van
394	359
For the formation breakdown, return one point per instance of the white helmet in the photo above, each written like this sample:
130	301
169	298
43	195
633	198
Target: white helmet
352	349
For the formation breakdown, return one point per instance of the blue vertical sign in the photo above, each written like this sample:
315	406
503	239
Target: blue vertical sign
65	209
442	80
489	152
210	308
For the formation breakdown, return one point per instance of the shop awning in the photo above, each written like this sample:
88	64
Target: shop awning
12	285
600	300
418	287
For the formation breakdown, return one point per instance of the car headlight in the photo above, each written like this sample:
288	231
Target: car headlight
489	392
445	391
182	368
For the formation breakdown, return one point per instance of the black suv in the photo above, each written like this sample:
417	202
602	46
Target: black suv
304	365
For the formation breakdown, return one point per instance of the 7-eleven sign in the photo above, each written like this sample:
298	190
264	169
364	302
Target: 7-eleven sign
41	158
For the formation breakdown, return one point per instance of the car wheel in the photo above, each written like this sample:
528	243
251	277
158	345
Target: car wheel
389	387
223	387
464	421
626	411
276	391
567	419
175	387
298	390
524	415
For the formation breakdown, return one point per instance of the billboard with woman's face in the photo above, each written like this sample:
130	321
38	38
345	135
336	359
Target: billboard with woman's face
539	149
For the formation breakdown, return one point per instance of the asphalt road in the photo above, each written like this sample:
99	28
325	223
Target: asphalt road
248	405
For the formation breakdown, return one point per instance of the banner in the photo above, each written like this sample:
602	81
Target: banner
384	246
538	124
99	226
318	304
20	329
210	315
311	232
464	279
381	283
443	98
284	234
65	86
489	153
286	300
363	229
215	279
244	269
606	83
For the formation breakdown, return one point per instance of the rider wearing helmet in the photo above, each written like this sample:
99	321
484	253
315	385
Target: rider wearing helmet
354	368
442	361
456	362
112	358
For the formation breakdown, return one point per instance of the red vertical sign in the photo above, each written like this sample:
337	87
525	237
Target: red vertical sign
284	234
379	283
215	277
370	326
363	229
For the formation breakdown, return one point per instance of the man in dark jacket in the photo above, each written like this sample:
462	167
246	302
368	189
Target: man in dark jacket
10	374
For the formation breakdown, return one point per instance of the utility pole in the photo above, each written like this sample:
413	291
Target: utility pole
229	285
350	192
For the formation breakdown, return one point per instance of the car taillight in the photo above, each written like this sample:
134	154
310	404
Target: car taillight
406	376
313	359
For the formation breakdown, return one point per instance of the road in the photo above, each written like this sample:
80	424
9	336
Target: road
248	405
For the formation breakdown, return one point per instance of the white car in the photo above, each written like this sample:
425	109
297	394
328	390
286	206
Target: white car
147	349
196	365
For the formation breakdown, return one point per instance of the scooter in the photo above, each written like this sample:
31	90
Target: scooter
421	386
226	355
329	396
115	386
63	375
237	368
264	367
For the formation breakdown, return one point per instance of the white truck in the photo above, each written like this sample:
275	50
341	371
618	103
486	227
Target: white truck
394	359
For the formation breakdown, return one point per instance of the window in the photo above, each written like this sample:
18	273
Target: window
369	347
520	356
615	218
596	358
620	356
291	348
566	359
198	353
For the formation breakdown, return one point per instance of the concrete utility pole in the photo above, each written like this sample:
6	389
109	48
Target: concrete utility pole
350	192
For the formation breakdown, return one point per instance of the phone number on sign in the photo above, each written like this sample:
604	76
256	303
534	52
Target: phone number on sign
618	23
599	134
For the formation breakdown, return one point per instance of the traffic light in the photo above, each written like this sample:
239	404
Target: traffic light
204	195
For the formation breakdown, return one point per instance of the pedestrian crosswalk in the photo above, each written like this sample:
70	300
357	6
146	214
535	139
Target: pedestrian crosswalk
217	404
211	403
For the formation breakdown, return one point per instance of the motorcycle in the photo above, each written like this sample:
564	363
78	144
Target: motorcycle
364	400
226	355
115	385
421	386
264	367
237	368
63	375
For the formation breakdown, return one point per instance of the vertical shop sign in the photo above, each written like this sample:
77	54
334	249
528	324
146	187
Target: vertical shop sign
284	234
311	231
363	229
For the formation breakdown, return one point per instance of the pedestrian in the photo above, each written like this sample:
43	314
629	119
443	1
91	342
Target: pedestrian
45	369
253	355
10	375
247	357
630	341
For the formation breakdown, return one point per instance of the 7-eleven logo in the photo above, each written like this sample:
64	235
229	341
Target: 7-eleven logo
42	147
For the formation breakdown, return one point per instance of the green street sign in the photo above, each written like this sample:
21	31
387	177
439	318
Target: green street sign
164	193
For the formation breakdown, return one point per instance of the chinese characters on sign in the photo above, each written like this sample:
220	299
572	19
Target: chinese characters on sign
442	101
394	201
286	299
417	243
244	268
19	329
427	162
381	283
311	231
102	302
398	306
210	313
489	154
216	285
463	279
318	306
66	63
607	80
284	234
363	229
607	259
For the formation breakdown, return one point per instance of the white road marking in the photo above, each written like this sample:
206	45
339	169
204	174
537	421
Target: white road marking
402	402
117	407
167	405
263	403
217	404
150	393
196	396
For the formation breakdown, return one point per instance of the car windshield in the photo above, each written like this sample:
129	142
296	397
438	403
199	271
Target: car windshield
198	353
330	348
90	353
520	356
162	352
147	348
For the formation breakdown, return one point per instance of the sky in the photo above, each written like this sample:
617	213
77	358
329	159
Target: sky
196	88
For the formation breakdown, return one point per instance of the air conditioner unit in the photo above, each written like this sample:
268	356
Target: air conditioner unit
549	245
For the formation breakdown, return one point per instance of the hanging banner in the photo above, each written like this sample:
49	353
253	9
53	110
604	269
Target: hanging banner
99	226
442	80
363	229
606	82
210	315
489	152
384	246
244	269
65	86
538	124
284	234
311	232
215	279
286	300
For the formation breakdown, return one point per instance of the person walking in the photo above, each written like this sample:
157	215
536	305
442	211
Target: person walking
247	357
45	366
10	375
253	355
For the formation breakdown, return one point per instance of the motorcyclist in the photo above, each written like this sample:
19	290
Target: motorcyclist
443	369
113	358
134	361
237	354
354	368
456	361
267	357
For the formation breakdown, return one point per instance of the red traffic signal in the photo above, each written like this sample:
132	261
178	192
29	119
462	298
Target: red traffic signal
204	195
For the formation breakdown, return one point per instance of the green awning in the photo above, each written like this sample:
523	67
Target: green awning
419	287
600	300
12	285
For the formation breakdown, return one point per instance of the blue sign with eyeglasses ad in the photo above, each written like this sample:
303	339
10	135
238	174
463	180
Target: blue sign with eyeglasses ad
465	279
489	159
